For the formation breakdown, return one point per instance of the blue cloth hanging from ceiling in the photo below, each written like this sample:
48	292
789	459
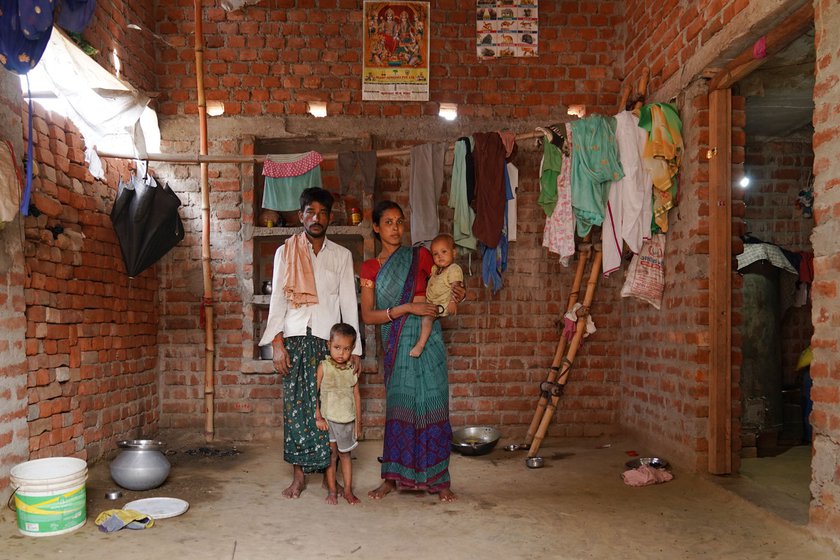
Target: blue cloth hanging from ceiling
26	25
25	29
23	36
74	15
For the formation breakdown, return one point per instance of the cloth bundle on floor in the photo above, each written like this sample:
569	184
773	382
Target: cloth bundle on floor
115	519
645	476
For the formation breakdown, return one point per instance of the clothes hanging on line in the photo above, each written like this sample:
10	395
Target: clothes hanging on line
287	176
424	190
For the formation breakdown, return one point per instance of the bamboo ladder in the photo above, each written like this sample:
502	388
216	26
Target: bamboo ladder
561	366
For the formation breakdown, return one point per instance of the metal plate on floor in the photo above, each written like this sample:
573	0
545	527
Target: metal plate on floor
159	508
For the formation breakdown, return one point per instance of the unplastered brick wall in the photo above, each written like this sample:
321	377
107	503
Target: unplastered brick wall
90	330
664	35
136	49
500	346
825	512
779	169
265	63
14	434
272	58
665	352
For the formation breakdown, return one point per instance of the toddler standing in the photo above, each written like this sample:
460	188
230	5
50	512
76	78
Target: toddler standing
339	409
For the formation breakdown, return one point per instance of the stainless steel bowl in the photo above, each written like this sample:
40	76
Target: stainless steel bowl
116	495
655	462
534	462
475	440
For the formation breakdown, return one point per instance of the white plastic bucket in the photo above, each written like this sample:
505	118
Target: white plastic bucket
50	495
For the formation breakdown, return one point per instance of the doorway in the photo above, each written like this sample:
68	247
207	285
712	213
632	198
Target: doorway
770	119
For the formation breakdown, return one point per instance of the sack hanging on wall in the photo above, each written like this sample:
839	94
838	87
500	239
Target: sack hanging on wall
646	274
10	184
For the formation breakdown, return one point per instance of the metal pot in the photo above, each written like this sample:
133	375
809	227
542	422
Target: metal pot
140	465
475	440
266	352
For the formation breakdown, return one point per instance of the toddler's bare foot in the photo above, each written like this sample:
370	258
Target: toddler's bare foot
383	490
295	488
447	496
416	351
351	498
331	499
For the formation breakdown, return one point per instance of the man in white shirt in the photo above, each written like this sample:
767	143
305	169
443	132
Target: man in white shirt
313	289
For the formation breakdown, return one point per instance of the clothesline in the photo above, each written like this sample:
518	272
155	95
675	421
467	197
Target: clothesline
196	159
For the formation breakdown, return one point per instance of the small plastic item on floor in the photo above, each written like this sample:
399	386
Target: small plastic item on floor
113	520
632	453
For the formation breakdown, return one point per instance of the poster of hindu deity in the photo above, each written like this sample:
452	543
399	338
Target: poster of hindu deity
505	28
395	66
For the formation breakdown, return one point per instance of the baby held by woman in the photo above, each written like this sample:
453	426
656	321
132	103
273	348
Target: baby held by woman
445	274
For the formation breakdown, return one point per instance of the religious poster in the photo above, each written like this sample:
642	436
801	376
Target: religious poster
395	64
505	28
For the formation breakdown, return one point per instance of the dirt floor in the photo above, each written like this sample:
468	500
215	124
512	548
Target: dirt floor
576	507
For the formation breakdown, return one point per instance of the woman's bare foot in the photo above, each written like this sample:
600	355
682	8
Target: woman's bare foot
295	488
331	499
416	351
351	498
383	490
447	496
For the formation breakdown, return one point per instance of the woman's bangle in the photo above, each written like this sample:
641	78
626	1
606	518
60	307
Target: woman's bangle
388	313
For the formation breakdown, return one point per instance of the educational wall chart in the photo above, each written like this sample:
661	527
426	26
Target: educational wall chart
506	28
395	64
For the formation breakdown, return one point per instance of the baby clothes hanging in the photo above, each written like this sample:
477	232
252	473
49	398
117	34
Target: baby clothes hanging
287	176
559	232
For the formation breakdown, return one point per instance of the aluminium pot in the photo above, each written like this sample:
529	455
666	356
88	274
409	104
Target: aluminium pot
141	465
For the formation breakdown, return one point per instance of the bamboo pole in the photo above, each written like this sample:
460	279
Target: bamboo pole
554	370
583	313
641	90
207	300
625	96
206	158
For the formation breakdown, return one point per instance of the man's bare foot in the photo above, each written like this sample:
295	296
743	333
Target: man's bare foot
331	499
447	496
295	488
383	490
351	498
416	351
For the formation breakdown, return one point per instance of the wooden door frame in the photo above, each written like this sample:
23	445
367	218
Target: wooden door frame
720	230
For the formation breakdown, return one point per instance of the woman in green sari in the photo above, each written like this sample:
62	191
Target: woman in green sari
417	430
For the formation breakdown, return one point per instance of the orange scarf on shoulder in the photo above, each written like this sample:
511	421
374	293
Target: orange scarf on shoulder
299	277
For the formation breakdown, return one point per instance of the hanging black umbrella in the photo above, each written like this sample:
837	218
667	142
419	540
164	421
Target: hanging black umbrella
146	220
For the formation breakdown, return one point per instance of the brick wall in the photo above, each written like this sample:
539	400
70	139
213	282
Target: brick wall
265	64
13	429
90	330
499	346
665	35
79	357
270	59
825	513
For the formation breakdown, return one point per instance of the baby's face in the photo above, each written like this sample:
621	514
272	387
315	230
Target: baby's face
341	346
443	253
